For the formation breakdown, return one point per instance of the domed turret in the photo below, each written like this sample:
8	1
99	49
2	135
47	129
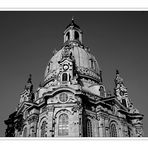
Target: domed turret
72	33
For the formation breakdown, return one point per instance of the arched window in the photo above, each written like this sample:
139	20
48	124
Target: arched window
113	130
67	36
25	132
64	77
91	64
102	91
95	65
43	129
89	128
124	102
76	35
63	125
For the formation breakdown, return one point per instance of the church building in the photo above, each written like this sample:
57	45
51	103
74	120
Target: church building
72	101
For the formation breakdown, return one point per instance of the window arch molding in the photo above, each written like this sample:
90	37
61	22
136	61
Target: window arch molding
42	119
113	129
63	111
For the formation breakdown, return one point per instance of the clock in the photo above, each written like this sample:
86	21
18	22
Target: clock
65	67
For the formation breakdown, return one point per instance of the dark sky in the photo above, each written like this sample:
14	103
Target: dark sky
119	40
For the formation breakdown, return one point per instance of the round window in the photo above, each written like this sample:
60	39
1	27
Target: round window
63	97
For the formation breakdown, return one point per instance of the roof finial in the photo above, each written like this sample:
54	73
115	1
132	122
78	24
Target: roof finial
29	84
118	79
29	79
72	18
73	23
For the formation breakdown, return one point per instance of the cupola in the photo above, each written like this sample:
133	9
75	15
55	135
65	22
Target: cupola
73	33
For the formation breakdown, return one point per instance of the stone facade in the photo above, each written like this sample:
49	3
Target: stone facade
72	100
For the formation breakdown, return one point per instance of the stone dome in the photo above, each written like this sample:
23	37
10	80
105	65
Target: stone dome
83	59
85	62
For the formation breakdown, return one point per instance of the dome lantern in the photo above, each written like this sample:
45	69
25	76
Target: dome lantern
73	33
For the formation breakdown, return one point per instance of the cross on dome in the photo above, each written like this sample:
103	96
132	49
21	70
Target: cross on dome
73	24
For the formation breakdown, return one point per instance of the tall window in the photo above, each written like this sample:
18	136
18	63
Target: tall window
25	132
43	129
64	77
63	125
67	36
113	130
124	102
76	35
129	132
92	64
95	65
102	92
89	128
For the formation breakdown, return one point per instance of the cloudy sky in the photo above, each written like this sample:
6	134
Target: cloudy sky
119	40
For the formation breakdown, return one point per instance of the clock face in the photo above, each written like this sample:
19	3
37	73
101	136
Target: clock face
65	67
